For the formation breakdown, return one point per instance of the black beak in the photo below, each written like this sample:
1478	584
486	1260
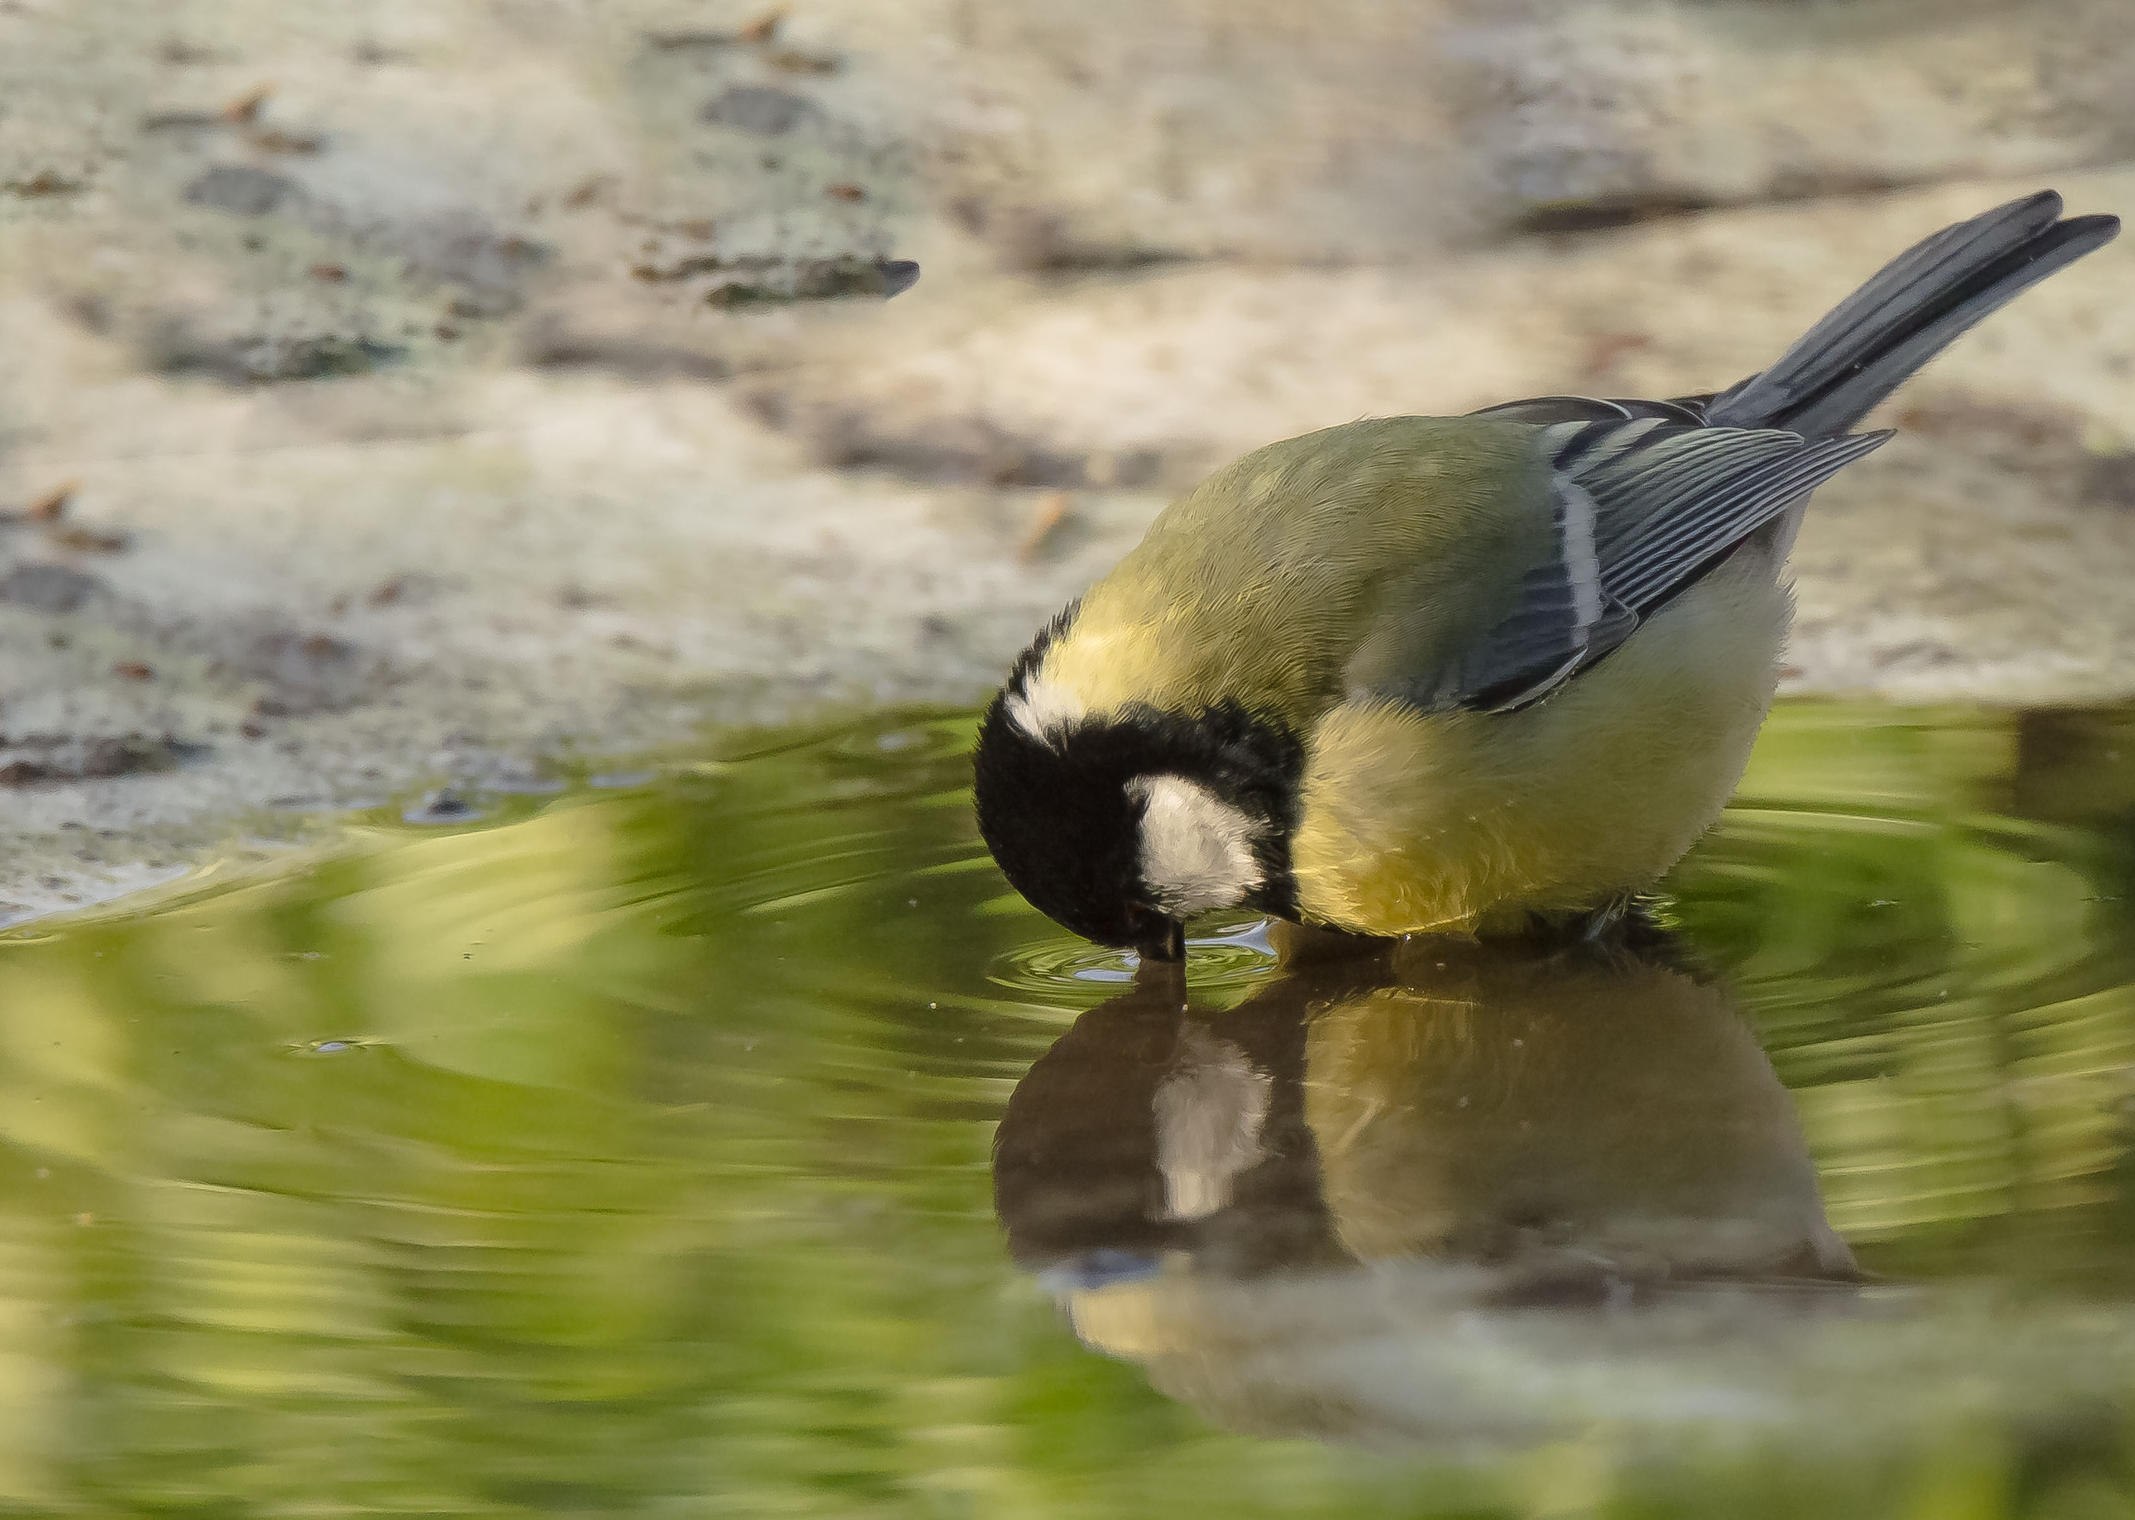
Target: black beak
1164	943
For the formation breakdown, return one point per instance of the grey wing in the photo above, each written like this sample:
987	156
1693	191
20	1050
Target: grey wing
1641	505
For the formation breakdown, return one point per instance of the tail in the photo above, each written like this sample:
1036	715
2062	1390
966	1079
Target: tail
1912	309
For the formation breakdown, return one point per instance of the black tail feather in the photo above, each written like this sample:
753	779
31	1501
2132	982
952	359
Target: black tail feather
1912	309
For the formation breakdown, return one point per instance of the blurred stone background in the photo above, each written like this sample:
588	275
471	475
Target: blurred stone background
424	392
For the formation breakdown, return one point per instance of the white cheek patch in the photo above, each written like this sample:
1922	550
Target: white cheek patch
1196	849
1045	709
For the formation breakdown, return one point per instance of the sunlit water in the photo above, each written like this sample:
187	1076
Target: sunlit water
734	1145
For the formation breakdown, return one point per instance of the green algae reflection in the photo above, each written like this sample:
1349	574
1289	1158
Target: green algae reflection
632	1153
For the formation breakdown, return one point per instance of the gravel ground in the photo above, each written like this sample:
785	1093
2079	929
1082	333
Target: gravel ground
423	395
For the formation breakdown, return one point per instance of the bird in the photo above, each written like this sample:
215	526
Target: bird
1479	676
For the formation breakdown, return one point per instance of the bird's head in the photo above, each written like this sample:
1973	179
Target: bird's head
1124	826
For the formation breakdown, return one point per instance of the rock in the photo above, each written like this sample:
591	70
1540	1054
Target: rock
45	587
951	450
241	190
304	673
757	282
39	758
2109	480
262	358
763	110
443	805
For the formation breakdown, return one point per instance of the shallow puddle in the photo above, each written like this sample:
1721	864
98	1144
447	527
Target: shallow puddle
733	1145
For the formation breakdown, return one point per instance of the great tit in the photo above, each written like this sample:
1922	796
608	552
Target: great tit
1455	674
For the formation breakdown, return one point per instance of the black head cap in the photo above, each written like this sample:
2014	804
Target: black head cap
1062	822
1063	816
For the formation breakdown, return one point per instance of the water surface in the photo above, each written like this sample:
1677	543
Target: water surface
733	1144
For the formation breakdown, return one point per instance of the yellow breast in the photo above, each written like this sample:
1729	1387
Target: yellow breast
1464	822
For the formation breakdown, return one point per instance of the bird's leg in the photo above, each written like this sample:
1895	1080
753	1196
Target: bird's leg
1604	920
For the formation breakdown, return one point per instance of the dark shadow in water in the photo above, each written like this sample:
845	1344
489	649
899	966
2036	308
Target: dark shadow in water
1365	1148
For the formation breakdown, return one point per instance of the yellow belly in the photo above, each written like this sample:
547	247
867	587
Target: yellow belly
1468	822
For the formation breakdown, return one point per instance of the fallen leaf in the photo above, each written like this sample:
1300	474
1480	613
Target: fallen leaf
764	27
85	540
43	182
52	506
585	193
1053	513
1604	350
795	61
275	140
177	50
245	109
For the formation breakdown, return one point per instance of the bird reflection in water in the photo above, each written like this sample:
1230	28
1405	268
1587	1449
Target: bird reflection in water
1362	1201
